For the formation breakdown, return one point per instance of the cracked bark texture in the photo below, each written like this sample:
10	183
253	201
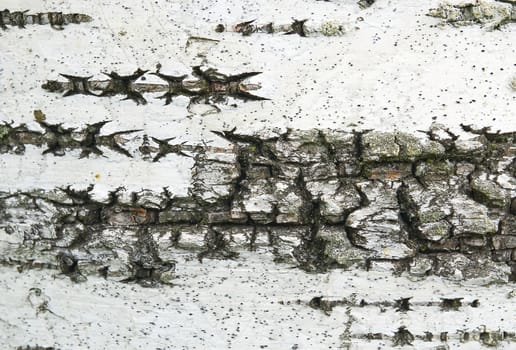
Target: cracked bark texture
431	204
493	15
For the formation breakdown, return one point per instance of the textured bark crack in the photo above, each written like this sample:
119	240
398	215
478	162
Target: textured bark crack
399	305
58	141
317	199
299	27
402	336
56	19
211	87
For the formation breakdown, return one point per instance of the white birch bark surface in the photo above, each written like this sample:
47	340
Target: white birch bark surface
366	176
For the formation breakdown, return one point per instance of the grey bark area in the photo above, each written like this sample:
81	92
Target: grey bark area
318	200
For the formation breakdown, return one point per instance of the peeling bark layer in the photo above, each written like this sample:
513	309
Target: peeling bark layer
318	199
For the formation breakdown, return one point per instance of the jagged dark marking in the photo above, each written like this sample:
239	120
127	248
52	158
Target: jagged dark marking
298	27
175	87
122	84
110	141
57	138
89	142
166	148
80	85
